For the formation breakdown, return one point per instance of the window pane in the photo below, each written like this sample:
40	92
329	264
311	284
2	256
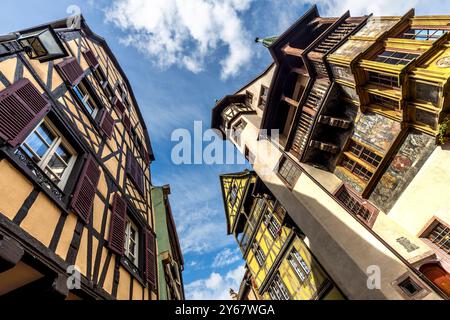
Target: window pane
37	145
57	166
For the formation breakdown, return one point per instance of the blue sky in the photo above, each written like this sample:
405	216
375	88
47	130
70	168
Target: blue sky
180	56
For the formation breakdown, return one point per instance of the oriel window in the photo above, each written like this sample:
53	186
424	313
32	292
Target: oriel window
423	34
396	58
47	147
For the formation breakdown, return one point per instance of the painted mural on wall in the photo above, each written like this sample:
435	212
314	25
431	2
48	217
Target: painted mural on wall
349	180
413	153
376	131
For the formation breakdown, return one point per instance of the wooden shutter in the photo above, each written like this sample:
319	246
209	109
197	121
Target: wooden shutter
116	239
22	107
135	172
127	123
107	123
83	197
150	260
70	71
118	105
91	59
147	158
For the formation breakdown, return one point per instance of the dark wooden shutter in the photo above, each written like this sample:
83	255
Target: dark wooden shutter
22	107
147	157
107	123
150	258
83	197
118	105
70	70
91	59
135	172
127	123
116	239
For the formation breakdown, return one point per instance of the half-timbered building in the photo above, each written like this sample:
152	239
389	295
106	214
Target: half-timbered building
348	129
76	218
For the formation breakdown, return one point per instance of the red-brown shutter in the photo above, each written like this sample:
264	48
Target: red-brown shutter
22	107
83	197
135	172
119	106
150	258
107	123
127	123
91	59
116	239
70	70
147	158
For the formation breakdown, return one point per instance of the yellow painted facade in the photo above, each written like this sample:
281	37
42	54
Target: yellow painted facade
268	241
48	223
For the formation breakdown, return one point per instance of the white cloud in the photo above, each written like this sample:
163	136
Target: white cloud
225	258
185	33
216	287
377	7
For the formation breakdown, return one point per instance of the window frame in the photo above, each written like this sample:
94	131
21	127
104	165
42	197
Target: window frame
59	140
428	230
387	55
277	285
259	254
383	79
262	101
293	166
83	98
299	265
356	205
272	224
413	36
136	256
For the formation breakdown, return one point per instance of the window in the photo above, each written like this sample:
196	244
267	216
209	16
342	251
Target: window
440	236
86	99
272	224
396	58
263	97
384	101
51	152
410	287
249	155
289	171
233	195
355	205
383	79
237	130
364	153
259	254
356	168
425	92
103	81
132	242
299	265
423	34
278	290
248	98
258	208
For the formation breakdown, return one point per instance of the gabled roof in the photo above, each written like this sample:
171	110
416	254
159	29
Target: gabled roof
238	175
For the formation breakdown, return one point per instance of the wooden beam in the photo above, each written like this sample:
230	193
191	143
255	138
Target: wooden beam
46	288
10	253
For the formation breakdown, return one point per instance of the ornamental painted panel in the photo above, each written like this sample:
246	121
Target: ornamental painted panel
376	131
413	153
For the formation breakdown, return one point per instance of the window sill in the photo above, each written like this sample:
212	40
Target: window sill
39	180
132	270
